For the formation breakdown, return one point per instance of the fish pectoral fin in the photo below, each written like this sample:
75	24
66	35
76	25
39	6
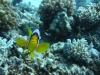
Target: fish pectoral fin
31	55
25	52
43	47
21	42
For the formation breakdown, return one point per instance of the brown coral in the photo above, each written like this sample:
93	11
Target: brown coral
8	16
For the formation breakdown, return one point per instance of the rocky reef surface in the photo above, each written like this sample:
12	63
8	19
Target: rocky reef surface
74	35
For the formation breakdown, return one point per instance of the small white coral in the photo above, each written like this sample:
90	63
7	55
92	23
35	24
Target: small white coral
5	44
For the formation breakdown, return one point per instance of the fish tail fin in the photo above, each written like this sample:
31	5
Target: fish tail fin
31	55
43	47
21	42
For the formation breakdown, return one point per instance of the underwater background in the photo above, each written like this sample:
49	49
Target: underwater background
72	27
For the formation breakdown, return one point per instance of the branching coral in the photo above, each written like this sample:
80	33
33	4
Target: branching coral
4	46
89	17
80	51
91	12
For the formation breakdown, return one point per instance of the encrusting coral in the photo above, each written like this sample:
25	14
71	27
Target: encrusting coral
9	18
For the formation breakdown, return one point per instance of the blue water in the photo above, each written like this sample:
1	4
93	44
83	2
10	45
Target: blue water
87	1
36	3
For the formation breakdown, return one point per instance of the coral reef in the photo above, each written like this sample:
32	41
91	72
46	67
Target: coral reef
15	66
82	53
9	18
25	7
53	11
87	23
57	47
80	56
9	62
13	17
30	20
51	62
29	16
74	69
61	24
5	46
89	17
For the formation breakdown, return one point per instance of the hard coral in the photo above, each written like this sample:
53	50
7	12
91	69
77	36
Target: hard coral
75	69
49	8
8	16
89	17
61	23
80	51
49	11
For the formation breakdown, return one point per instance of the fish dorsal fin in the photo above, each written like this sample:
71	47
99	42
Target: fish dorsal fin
43	47
29	32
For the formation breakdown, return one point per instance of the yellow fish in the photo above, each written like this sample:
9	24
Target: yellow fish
33	43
